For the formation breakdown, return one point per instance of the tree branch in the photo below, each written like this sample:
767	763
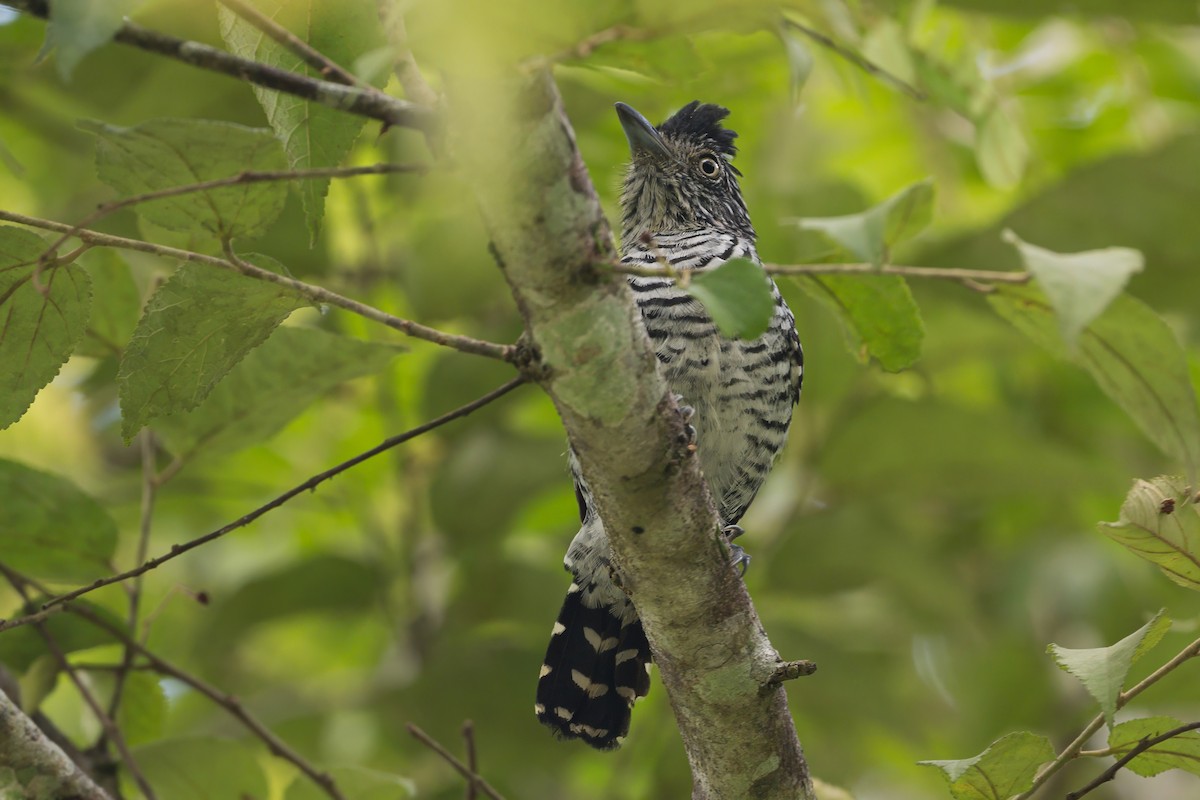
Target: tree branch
317	294
49	606
858	60
598	367
1137	750
34	759
473	778
372	104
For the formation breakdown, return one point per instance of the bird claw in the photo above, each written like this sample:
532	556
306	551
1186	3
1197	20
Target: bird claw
686	413
741	559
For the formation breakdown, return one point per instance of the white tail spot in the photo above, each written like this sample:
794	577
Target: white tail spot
545	670
539	709
581	680
597	690
589	731
625	655
557	629
563	713
629	694
573	588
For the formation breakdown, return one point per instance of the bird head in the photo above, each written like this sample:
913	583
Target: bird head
681	175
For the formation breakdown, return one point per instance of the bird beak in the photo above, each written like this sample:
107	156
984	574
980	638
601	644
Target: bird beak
642	136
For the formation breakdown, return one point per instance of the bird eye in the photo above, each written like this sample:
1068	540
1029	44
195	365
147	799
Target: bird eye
709	167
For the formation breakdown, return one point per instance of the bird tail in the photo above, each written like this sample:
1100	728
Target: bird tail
596	667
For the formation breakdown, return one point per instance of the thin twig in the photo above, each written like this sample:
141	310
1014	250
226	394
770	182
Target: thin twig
327	68
1137	750
149	496
1073	750
858	60
317	294
242	178
462	769
405	68
231	704
372	104
468	732
107	724
586	46
790	671
308	485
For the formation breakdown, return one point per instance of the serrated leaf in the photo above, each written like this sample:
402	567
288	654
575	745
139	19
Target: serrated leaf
1133	356
1006	768
197	326
38	329
357	782
737	296
143	709
21	647
77	27
1079	285
1001	149
878	315
1103	670
202	769
1160	522
51	529
116	304
272	385
165	153
1179	752
313	134
870	235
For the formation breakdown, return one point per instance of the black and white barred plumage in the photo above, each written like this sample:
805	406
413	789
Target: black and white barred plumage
680	202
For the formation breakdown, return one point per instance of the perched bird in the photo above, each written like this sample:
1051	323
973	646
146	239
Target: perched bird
681	202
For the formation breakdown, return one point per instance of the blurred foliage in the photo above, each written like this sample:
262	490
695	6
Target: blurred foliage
923	538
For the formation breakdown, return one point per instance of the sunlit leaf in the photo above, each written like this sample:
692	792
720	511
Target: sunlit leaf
357	782
197	326
1103	670
1181	751
1160	522
1133	356
52	530
737	296
21	647
871	234
1001	149
143	708
77	27
1006	768
202	769
166	153
269	387
116	305
1079	285
313	135
38	329
878	314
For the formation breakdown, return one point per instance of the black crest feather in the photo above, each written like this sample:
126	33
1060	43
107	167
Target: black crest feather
702	122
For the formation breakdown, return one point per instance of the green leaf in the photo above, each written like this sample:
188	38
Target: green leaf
737	296
870	235
116	306
197	326
38	329
165	153
1103	669
1006	768
357	782
1160	522
77	27
1178	752
51	529
799	58
1079	285
878	315
143	710
1001	149
1133	356
202	769
271	386
21	647
313	134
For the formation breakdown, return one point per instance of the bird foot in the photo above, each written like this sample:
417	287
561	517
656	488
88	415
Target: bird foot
686	413
741	559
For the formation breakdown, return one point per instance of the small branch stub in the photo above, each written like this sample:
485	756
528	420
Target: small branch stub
789	671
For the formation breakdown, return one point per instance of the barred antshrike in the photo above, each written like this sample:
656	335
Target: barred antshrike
681	202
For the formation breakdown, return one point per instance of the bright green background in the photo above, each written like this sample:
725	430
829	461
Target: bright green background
923	538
